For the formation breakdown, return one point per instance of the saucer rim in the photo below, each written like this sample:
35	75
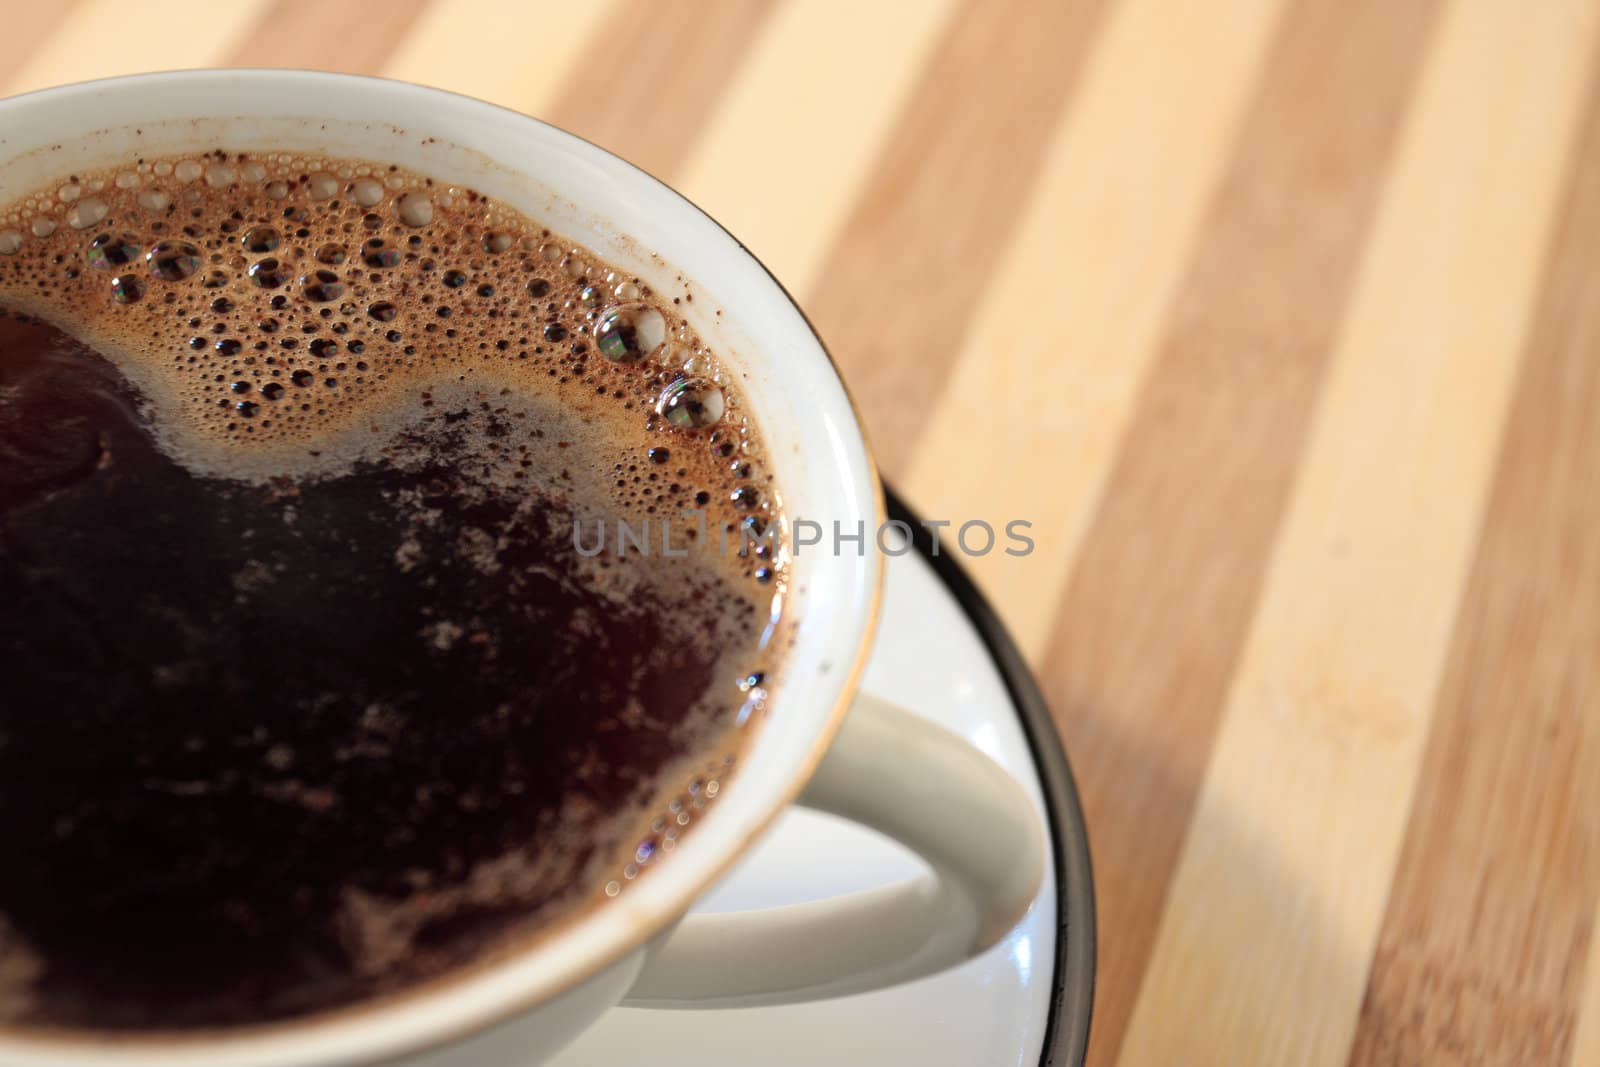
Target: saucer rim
1066	1035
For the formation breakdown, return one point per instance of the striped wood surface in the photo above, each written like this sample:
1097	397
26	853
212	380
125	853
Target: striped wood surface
1279	320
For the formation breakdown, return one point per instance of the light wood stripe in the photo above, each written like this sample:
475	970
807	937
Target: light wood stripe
942	202
319	35
1167	578
1272	916
27	27
782	160
1586	1045
644	86
102	38
531	53
1069	322
1491	913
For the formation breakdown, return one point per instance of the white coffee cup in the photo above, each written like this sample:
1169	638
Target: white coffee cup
877	765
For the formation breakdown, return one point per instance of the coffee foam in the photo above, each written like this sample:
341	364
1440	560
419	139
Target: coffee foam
287	316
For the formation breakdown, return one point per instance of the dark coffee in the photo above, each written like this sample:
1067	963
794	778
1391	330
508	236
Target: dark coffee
307	692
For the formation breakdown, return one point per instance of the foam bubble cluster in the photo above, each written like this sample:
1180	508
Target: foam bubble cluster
285	314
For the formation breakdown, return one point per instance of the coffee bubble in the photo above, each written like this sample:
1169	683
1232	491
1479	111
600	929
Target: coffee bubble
691	403
10	242
108	252
261	239
127	289
322	286
378	256
414	209
86	213
629	333
366	192
173	261
266	274
43	227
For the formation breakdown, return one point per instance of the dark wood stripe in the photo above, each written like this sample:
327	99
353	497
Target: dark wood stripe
1489	918
27	26
897	290
327	35
646	85
1168	575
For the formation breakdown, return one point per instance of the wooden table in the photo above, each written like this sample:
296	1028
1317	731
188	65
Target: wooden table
1278	319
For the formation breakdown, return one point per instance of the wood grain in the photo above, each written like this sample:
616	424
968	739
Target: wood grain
1586	1042
1164	585
1278	319
28	26
316	34
760	146
938	211
100	39
1275	908
650	79
1491	915
532	52
1070	319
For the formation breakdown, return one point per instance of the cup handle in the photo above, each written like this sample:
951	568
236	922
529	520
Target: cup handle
926	788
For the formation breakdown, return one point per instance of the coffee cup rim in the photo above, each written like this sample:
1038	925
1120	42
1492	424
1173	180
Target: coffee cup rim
439	1011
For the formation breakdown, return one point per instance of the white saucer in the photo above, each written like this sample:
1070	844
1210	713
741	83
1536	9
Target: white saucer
1024	1002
